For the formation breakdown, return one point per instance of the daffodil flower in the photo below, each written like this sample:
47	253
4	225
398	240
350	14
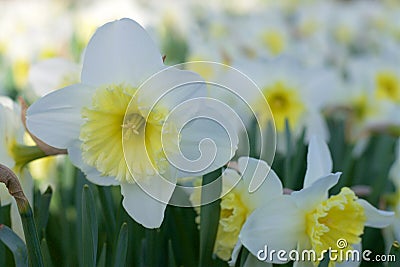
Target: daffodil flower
116	122
14	154
310	220
237	202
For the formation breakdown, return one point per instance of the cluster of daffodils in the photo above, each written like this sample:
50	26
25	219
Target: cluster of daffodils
299	116
270	219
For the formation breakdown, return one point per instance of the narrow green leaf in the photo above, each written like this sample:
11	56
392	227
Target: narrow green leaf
289	154
171	257
107	209
242	257
46	253
15	244
394	254
209	217
4	219
324	262
89	228
102	259
122	246
42	212
31	235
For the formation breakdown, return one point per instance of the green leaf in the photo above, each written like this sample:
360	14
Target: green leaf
394	254
4	219
89	228
122	246
324	262
46	253
171	257
102	259
287	180
42	210
242	257
107	209
31	235
209	217
15	244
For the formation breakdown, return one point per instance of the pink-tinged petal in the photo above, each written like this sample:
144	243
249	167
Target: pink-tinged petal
307	198
56	118
278	225
376	218
319	161
120	52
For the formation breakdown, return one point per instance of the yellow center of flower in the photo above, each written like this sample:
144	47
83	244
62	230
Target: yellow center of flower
361	108
285	103
105	134
233	215
274	41
387	86
340	217
343	34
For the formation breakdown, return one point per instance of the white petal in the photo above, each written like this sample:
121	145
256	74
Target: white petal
278	225
376	218
307	198
92	174
258	173
252	261
204	146
170	87
303	244
315	125
319	161
352	262
120	52
56	118
235	253
142	207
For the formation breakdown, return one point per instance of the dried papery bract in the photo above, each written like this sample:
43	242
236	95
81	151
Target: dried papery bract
11	181
48	150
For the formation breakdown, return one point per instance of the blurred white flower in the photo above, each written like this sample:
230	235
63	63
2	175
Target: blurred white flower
12	155
293	93
50	74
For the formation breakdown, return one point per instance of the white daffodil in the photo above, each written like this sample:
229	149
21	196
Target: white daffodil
372	95
237	203
123	130
293	93
12	155
310	220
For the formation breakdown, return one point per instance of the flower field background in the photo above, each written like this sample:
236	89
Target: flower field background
95	116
